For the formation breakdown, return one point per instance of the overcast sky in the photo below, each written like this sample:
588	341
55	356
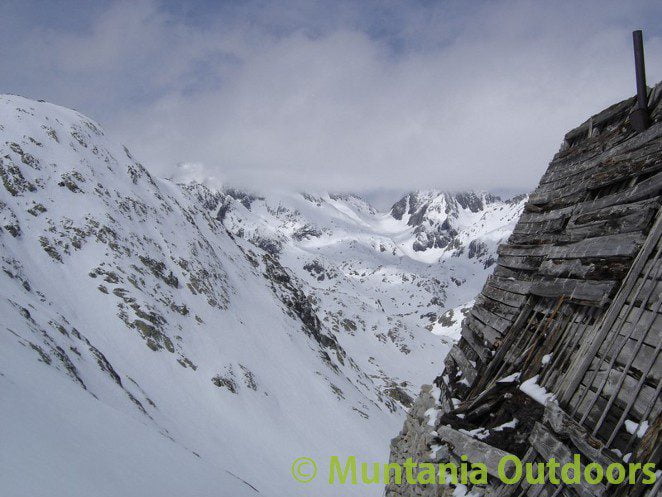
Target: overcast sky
333	95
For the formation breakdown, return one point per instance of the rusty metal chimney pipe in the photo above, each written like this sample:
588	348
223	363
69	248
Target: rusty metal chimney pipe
639	118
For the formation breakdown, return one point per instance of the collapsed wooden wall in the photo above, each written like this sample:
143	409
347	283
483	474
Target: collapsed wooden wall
573	306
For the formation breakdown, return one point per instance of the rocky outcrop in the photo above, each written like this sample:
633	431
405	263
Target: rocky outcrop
438	218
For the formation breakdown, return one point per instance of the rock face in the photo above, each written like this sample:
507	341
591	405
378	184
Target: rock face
560	353
437	218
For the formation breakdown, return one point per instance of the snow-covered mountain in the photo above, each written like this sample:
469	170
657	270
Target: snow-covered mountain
171	339
429	254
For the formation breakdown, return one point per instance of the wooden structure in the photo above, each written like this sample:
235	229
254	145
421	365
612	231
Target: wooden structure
574	306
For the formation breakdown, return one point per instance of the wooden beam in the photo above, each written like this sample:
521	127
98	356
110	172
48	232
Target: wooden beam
508	298
594	269
510	285
567	427
475	450
548	446
620	245
527	263
496	322
475	343
584	291
480	329
468	370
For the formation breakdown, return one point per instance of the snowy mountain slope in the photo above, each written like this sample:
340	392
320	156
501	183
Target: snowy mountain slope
347	252
117	282
166	340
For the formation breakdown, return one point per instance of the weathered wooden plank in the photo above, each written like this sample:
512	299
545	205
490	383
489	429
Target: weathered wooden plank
468	370
545	195
548	446
554	201
518	274
648	188
508	298
598	334
476	344
585	291
614	413
593	211
475	450
634	222
644	398
540	238
572	163
580	402
498	360
470	353
621	245
565	426
558	215
497	322
651	330
615	112
648	269
618	245
625	352
578	153
613	169
547	337
545	306
517	262
489	334
523	250
509	285
550	225
651	289
611	212
595	269
496	307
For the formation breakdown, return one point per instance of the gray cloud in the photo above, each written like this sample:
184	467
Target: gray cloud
342	96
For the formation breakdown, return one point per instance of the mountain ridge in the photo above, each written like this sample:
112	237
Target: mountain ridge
228	333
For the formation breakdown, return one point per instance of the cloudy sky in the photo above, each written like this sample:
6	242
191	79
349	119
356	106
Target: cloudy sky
333	95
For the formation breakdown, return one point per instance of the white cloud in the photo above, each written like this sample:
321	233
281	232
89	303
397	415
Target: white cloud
448	98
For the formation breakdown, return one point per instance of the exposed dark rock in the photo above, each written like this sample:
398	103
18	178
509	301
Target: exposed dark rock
225	382
477	249
397	393
306	232
158	269
245	198
399	208
300	306
471	201
418	217
318	271
269	245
